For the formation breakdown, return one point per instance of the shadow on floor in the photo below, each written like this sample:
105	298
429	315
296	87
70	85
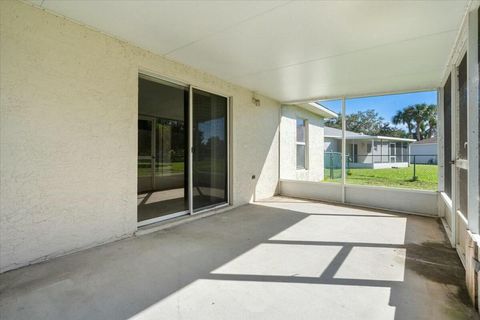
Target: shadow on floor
272	260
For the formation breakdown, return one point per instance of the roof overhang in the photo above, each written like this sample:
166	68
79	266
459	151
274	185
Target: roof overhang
318	109
367	137
424	144
393	139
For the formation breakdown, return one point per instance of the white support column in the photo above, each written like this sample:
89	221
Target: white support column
344	151
473	124
440	140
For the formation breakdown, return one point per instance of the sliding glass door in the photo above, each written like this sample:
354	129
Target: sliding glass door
170	165
162	150
209	148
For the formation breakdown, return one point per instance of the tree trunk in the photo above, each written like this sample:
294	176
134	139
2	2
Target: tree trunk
409	127
419	133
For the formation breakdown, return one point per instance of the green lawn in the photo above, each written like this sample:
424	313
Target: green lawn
145	168
169	168
395	177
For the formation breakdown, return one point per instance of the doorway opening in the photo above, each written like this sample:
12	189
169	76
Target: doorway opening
393	152
182	150
162	150
354	153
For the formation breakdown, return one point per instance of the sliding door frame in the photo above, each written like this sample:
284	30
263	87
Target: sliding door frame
190	151
155	76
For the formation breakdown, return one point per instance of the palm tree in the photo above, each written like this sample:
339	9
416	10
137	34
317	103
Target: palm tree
403	117
431	119
421	117
419	112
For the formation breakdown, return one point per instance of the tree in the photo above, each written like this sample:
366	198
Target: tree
420	119
368	122
431	118
390	131
402	117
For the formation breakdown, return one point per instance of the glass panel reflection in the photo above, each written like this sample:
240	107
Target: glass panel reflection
209	149
300	156
162	134
144	138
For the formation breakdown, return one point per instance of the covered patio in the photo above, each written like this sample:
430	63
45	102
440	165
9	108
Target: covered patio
154	155
276	259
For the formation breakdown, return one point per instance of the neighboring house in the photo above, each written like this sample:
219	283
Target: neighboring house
365	151
425	151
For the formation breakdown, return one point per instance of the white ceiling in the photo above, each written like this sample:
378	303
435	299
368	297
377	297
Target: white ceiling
289	50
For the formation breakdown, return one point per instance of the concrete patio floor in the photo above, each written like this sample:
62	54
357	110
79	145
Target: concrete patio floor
276	259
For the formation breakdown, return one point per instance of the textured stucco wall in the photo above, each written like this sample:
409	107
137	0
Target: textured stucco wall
315	149
69	135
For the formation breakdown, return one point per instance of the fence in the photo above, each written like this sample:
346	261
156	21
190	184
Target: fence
414	167
333	165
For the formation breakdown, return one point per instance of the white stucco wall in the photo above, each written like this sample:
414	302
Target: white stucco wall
397	199
315	145
69	135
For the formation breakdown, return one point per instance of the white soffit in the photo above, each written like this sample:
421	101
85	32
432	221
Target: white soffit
318	109
290	50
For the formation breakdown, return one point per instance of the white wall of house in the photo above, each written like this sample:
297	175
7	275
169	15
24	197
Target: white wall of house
332	145
69	135
380	151
361	150
315	147
397	199
424	153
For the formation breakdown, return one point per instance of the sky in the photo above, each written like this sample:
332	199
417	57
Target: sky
386	105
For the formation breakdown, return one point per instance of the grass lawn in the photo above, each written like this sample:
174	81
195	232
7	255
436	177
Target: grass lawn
145	168
168	168
395	177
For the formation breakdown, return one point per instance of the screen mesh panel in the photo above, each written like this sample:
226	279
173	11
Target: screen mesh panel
463	191
462	108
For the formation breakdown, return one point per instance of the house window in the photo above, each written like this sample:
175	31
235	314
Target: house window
369	148
301	144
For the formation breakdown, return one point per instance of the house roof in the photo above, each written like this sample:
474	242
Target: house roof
426	141
330	132
337	134
318	109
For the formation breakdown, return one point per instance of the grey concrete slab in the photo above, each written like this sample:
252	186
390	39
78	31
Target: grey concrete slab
277	259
